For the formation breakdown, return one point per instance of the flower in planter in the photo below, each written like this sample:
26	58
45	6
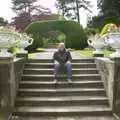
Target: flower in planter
108	28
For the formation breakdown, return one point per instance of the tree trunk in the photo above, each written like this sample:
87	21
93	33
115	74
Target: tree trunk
78	13
29	12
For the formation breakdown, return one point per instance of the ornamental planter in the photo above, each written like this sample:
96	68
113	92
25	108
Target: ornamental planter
113	39
97	43
8	40
24	42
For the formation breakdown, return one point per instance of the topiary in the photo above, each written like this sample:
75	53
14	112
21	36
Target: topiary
75	35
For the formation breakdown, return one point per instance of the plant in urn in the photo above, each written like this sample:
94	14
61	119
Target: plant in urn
8	39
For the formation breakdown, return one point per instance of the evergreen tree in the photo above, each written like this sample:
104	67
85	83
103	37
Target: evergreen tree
23	5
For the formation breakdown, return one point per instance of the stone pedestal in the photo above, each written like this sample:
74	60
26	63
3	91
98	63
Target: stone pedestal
22	55
10	75
6	87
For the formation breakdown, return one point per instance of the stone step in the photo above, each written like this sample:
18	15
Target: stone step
80	117
62	92
80	84
64	77
64	110
50	60
59	80
38	95
61	101
51	65
50	71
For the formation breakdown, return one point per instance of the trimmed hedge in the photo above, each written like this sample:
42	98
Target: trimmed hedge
75	36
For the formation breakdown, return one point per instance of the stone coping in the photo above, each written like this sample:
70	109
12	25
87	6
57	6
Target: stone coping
6	60
17	59
105	59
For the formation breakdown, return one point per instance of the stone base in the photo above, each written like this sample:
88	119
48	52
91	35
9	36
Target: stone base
98	55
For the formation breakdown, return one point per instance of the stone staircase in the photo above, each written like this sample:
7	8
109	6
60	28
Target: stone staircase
39	96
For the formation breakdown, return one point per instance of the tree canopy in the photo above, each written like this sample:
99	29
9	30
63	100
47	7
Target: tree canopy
109	13
28	11
3	22
70	8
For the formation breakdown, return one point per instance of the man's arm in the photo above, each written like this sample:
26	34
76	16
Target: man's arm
69	56
55	57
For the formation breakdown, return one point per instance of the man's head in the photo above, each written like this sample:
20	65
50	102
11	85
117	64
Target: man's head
61	47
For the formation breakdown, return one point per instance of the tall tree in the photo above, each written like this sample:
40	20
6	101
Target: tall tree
71	8
109	6
26	11
29	7
24	6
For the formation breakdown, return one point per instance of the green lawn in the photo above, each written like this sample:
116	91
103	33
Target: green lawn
40	50
88	53
31	56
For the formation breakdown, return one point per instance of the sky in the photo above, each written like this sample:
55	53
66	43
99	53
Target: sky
7	13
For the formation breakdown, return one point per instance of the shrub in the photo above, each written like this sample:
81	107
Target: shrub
90	31
75	36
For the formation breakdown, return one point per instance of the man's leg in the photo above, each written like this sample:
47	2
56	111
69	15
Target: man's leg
56	70
68	66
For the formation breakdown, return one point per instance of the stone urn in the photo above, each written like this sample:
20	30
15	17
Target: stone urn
113	39
8	40
24	42
96	42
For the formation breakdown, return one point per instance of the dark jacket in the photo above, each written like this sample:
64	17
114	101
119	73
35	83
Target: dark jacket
62	56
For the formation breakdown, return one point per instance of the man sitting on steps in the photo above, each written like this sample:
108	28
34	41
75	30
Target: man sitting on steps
62	58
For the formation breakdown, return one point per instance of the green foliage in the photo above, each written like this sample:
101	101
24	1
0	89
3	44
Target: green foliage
109	6
3	22
23	5
110	10
90	31
88	53
13	50
66	6
109	27
75	35
98	22
108	20
38	42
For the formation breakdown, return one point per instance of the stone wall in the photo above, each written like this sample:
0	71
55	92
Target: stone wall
10	74
106	68
110	72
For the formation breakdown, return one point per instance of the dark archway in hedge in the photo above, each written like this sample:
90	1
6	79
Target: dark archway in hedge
75	35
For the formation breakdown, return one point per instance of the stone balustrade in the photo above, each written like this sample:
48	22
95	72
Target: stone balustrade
10	74
110	71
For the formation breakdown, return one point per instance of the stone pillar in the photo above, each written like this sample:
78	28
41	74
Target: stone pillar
7	87
10	74
106	69
116	99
